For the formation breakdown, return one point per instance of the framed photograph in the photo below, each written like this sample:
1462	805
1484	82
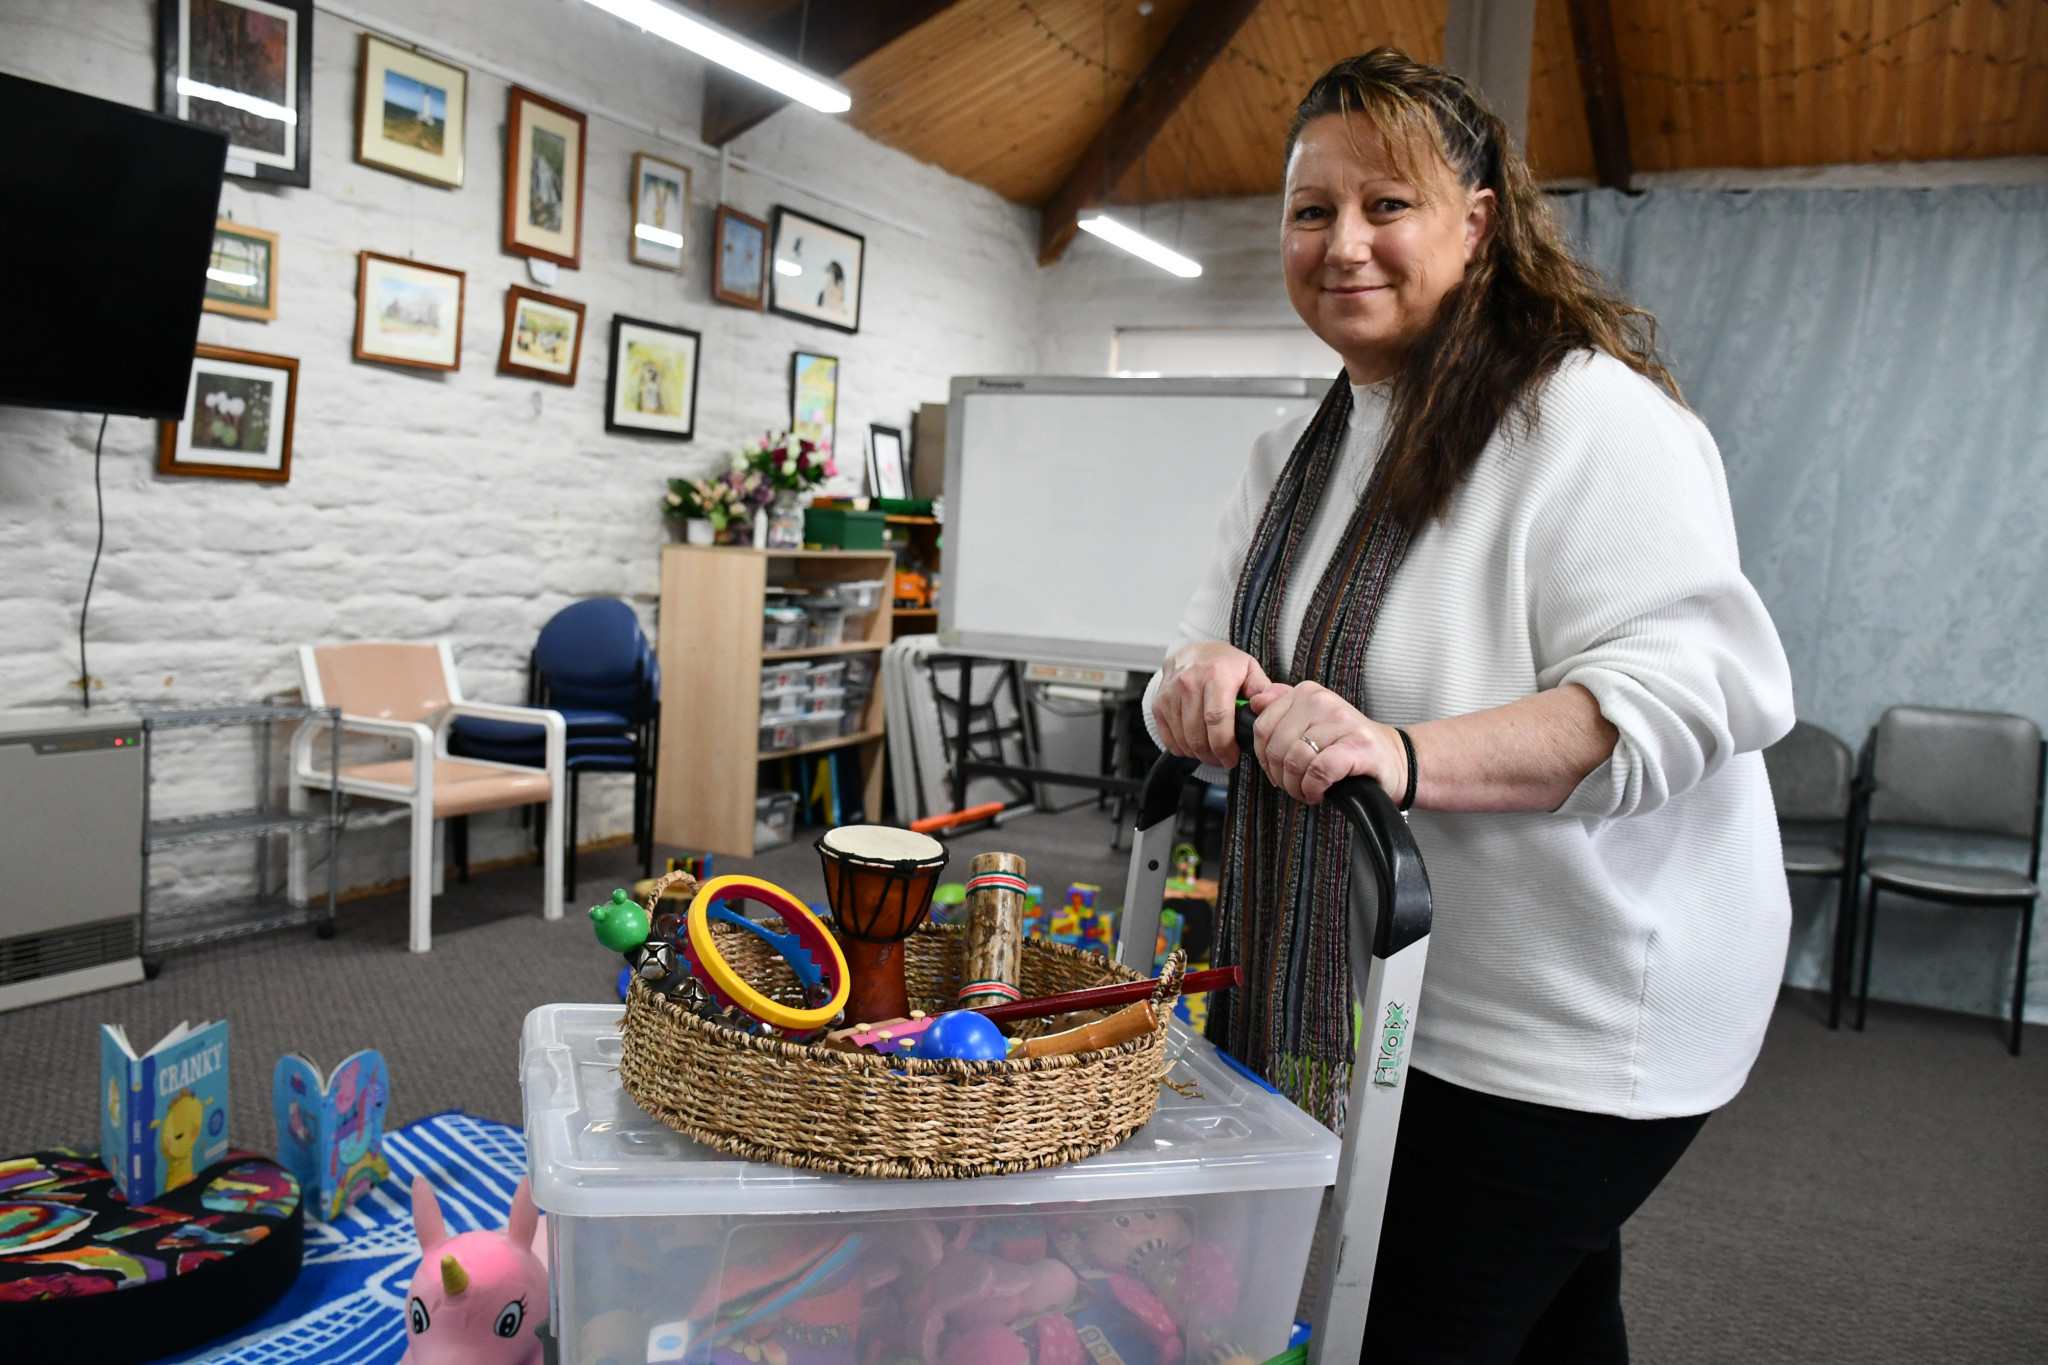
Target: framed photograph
652	386
243	68
814	398
238	418
407	313
543	336
885	463
739	253
661	213
543	179
817	271
411	113
241	275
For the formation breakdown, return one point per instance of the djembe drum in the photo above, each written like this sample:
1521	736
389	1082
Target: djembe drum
879	880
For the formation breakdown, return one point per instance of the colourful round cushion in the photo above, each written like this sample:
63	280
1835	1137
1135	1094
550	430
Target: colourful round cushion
87	1280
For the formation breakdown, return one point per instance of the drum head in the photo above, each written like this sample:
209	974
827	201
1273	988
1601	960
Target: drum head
882	844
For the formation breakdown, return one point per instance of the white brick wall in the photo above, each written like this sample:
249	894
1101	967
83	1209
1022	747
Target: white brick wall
465	506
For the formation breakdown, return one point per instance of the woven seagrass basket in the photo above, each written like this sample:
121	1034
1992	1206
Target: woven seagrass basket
826	1110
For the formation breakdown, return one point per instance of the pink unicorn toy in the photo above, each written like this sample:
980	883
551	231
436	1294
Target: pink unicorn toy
478	1297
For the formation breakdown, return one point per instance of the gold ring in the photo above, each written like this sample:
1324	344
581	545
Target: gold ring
1313	747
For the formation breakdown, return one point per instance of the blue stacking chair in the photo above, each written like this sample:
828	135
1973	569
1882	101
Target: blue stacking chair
592	664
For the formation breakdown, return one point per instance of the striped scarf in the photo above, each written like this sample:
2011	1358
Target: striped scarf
1281	912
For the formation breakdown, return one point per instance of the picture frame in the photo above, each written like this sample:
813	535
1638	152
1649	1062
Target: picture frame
544	146
243	68
408	313
247	401
543	336
887	477
651	387
816	271
739	259
412	113
241	274
814	399
661	214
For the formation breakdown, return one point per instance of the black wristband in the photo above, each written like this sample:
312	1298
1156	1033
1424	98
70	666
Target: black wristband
1407	797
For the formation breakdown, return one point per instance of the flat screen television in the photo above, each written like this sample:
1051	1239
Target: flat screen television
107	232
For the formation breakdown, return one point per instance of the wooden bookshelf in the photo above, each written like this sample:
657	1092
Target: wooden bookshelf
711	657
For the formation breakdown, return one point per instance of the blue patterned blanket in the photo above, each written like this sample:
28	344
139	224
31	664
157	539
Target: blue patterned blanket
348	1306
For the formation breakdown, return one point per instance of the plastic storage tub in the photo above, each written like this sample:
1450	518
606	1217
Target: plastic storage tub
774	819
1205	1214
824	699
827	675
828	623
818	726
783	627
781	732
793	673
785	701
860	671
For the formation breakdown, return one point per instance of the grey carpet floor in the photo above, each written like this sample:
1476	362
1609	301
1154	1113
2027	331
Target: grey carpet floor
1874	1197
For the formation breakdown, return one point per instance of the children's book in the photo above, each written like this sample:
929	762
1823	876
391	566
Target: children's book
165	1113
330	1134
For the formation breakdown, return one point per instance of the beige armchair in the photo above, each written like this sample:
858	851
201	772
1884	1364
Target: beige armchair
409	693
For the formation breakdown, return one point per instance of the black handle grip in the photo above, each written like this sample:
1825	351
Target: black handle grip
1383	849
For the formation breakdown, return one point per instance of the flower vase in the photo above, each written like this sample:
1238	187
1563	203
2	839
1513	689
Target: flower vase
699	531
786	523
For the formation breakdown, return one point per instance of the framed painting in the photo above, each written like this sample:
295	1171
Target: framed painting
814	398
817	271
411	113
543	336
241	275
243	68
661	213
652	386
739	253
543	179
885	463
407	313
238	418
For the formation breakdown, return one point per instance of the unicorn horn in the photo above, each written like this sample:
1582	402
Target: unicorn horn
454	1278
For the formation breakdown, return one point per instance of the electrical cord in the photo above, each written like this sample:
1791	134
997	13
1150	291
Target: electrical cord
99	499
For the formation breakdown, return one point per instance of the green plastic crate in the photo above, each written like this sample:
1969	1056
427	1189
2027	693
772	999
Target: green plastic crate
842	528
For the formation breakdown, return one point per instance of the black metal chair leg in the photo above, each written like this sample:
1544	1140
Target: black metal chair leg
458	830
2019	977
1869	943
1844	947
569	853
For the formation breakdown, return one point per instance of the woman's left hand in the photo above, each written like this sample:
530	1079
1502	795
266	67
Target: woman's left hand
1308	738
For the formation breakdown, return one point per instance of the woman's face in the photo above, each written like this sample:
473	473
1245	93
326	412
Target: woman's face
1368	253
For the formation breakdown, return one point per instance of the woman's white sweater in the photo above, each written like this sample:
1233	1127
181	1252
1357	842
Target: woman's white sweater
1621	955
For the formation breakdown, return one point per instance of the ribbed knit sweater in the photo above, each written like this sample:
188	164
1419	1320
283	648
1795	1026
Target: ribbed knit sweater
1622	954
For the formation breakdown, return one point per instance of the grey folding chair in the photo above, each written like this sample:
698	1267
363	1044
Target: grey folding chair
1976	774
1812	782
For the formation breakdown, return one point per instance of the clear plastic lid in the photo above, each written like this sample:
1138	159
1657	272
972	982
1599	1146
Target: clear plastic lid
593	1152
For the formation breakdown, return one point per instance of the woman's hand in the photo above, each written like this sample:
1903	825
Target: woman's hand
1308	738
1196	706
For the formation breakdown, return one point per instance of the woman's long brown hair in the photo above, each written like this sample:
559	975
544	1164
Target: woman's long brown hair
1524	304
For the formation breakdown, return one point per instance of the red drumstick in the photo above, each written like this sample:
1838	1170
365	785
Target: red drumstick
1110	997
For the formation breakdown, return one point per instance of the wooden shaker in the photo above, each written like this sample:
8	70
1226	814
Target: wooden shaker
995	929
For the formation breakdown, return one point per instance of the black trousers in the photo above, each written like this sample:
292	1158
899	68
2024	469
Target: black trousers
1502	1240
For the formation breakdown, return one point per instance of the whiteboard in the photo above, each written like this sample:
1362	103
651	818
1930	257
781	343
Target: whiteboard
1081	512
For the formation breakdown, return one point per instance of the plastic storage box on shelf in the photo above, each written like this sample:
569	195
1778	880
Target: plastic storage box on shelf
774	819
783	627
787	673
818	726
785	701
828	623
824	699
860	671
782	732
1188	1242
860	598
827	675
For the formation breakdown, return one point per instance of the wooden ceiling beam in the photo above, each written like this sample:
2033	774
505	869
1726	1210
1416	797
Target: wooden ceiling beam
1205	29
1600	80
835	35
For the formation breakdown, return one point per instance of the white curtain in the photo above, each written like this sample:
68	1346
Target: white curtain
1874	365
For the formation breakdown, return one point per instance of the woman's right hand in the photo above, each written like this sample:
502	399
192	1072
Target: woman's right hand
1196	706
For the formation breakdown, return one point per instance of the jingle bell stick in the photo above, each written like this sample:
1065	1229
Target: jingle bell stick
1110	997
995	930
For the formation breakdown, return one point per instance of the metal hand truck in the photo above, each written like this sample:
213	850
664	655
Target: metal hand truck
1389	941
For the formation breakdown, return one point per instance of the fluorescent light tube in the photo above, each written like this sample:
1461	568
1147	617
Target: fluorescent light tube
658	236
1141	246
734	53
235	99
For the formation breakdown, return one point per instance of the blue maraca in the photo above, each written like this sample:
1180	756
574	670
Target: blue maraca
964	1036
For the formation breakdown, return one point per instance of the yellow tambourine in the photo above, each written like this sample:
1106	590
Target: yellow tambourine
809	949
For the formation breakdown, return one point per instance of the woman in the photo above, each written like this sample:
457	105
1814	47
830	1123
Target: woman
1497	573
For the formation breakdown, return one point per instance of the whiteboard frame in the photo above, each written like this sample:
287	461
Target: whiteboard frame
1046	649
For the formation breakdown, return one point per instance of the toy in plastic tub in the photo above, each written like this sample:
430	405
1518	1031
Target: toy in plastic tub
478	1297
